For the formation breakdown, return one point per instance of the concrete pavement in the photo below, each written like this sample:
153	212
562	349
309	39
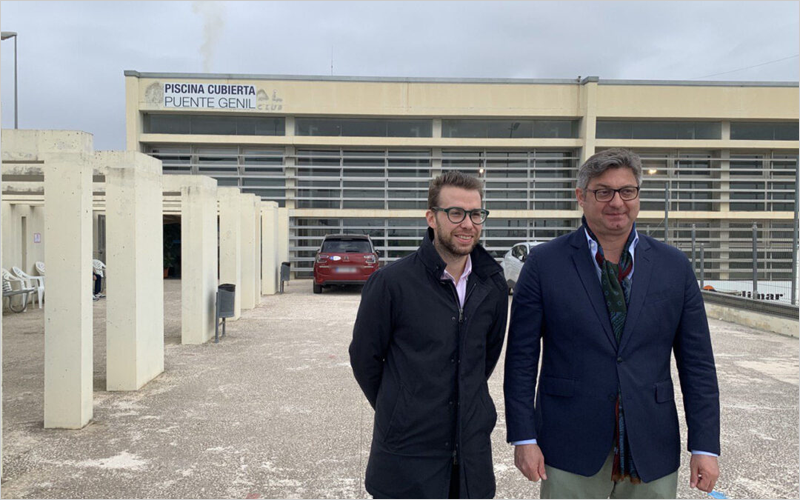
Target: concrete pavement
273	411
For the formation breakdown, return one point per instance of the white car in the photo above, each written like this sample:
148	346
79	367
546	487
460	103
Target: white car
514	259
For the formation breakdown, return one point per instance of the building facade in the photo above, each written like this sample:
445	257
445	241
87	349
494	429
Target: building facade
356	155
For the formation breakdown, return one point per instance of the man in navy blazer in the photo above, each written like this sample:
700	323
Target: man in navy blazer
606	307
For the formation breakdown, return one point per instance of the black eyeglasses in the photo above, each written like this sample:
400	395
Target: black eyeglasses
457	214
626	193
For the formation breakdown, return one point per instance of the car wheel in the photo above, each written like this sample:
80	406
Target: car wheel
317	288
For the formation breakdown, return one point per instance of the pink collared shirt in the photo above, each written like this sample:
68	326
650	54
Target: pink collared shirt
461	284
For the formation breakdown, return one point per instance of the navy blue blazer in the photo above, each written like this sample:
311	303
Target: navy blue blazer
558	310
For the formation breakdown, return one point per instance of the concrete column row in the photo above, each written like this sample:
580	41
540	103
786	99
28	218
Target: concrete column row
135	315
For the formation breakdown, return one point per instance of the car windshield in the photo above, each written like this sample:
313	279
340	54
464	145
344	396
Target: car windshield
346	246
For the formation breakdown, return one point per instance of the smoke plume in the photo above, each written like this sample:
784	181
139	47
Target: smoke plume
213	14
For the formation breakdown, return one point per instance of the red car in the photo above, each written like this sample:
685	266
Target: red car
344	259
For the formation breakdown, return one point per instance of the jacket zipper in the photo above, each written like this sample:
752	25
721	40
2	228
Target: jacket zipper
458	302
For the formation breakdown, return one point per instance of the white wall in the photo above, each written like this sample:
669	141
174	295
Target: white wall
13	238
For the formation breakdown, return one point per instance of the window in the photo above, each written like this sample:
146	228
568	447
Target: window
520	251
349	127
616	129
213	124
346	246
764	131
510	129
520	180
174	160
217	160
379	179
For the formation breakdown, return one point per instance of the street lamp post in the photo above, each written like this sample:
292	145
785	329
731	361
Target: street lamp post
4	36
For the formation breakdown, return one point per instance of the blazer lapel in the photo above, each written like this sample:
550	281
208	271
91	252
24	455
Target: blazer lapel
641	282
582	258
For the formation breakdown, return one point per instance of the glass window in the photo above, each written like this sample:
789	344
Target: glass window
346	246
348	127
227	181
410	128
747	165
363	128
707	130
263	161
783	165
509	129
263	181
174	160
764	131
786	131
167	124
624	129
217	160
614	130
554	129
213	125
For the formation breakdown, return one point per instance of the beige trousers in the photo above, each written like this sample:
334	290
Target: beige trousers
563	484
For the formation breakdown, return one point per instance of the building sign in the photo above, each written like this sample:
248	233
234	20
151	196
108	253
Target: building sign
37	237
209	96
212	96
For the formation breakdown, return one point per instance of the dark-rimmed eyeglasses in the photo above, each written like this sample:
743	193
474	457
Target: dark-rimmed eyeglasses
626	193
457	214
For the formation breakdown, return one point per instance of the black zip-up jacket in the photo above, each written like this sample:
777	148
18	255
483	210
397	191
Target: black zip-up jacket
423	363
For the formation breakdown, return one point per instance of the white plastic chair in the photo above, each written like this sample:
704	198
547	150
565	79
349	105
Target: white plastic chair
39	267
35	282
8	280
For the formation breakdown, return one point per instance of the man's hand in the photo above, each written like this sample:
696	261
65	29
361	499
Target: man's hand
529	460
705	471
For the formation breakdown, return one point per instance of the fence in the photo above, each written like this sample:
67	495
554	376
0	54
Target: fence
760	263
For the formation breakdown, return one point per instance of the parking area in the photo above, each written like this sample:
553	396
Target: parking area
273	411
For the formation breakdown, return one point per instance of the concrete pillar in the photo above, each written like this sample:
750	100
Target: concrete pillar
283	235
270	270
134	245
725	181
3	208
290	167
230	242
248	232
257	210
588	125
68	343
198	256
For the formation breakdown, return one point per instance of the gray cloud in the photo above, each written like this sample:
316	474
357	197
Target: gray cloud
72	54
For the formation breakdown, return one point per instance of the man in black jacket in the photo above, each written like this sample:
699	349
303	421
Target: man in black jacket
428	334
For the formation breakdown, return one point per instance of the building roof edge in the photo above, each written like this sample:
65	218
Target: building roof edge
506	81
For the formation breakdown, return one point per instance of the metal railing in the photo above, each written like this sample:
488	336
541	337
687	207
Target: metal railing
763	268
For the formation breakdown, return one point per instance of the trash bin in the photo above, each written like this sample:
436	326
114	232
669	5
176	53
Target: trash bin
226	299
285	269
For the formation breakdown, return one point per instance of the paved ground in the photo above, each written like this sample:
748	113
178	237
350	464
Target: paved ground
273	411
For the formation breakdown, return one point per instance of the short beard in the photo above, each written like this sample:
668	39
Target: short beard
447	246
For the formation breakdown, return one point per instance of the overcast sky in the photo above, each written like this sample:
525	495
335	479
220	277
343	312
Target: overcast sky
72	54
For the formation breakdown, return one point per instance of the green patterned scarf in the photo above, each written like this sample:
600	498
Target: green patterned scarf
615	282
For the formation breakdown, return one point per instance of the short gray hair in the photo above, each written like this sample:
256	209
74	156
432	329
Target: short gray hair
598	163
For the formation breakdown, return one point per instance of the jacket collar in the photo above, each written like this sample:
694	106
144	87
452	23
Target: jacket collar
483	264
